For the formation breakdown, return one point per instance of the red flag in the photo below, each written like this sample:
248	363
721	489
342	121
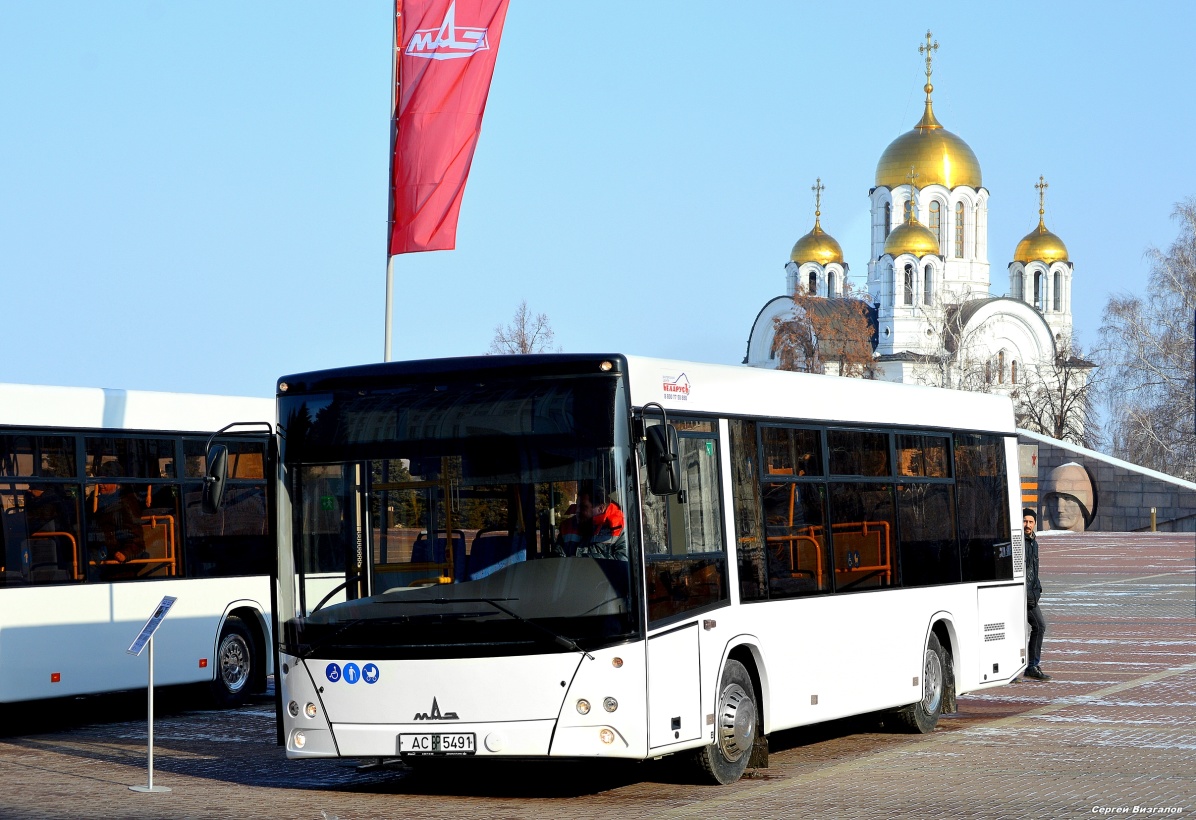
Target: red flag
444	61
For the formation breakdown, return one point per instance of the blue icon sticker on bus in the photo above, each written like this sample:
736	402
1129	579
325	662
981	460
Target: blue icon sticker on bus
332	672
369	673
352	673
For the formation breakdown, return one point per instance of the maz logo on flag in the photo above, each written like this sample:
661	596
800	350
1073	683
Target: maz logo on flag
450	41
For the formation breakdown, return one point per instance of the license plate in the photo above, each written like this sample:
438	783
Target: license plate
438	743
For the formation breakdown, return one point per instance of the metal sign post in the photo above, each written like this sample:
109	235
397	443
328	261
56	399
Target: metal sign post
146	638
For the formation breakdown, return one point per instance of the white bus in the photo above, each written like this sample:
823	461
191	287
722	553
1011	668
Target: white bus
99	500
518	556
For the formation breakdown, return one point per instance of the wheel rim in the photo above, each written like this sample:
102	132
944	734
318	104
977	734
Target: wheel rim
737	723
234	663
932	682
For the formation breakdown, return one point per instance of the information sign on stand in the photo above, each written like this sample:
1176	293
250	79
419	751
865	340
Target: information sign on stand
144	639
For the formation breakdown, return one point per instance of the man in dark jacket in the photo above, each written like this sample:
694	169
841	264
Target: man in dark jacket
1033	593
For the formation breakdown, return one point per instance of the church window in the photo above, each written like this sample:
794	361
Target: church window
988	371
909	204
830	284
888	219
1001	367
1057	292
909	285
1013	372
928	286
1038	290
812	287
936	221
1019	285
959	229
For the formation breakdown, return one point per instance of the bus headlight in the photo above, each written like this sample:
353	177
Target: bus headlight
606	736
299	740
583	707
610	704
310	710
293	708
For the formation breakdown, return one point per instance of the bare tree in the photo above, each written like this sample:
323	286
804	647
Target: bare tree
822	335
525	333
1146	345
1057	397
953	355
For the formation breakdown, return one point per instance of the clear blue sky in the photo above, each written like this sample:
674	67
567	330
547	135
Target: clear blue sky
193	196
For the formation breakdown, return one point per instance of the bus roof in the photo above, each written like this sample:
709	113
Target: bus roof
34	405
735	389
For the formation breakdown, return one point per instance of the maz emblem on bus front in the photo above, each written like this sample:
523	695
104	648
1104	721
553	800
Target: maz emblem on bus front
435	715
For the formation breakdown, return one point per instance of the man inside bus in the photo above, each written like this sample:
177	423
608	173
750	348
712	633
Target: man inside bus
117	515
595	530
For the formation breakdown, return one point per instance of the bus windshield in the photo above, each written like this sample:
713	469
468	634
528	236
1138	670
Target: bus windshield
462	518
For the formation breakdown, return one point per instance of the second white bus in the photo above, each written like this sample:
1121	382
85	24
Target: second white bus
101	519
519	557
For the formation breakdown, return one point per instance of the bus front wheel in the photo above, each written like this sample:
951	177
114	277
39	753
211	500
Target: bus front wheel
235	663
735	728
923	716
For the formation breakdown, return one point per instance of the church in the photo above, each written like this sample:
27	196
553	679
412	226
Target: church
930	303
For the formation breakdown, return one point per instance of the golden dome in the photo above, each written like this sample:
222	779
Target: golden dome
940	157
1040	245
817	246
911	237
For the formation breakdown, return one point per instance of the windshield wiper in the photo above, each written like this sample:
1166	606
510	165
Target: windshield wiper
558	638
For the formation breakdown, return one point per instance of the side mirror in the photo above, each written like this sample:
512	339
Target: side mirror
664	477
213	482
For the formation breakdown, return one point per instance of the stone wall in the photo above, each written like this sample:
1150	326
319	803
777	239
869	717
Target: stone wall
1125	492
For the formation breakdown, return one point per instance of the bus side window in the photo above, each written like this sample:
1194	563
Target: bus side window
745	489
686	561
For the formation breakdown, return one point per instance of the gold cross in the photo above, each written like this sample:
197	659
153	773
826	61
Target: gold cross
909	206
817	188
1041	186
927	49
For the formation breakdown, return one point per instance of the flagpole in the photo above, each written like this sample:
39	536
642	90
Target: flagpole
390	213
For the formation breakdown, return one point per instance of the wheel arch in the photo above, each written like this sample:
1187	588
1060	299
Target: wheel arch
746	650
253	615
942	625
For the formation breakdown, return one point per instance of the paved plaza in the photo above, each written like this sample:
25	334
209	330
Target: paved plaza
1113	734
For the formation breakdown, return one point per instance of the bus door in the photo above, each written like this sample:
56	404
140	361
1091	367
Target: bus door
415	538
686	580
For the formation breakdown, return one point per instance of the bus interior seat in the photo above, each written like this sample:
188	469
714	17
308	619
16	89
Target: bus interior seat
425	551
493	549
43	561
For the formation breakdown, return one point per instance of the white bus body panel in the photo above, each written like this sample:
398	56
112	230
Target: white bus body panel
516	706
81	633
35	405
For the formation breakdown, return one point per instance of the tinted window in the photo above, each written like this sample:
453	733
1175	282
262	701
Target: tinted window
983	508
129	457
745	491
855	452
45	456
862	534
923	456
246	459
799	562
928	548
683	541
791	452
41	540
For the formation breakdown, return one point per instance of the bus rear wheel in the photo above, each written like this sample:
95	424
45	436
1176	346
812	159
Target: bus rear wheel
735	726
235	663
923	716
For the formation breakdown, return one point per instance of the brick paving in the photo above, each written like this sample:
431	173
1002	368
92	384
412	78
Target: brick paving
1115	729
